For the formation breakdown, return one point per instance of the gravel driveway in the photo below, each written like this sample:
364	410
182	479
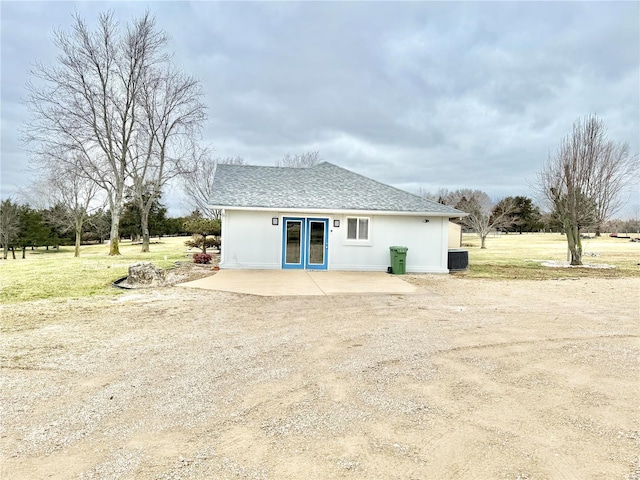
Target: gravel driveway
467	379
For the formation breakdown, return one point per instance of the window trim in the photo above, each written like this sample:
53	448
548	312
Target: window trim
357	240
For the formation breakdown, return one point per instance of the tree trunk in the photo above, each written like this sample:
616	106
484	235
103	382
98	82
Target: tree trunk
114	244
13	252
76	253
204	244
24	252
144	224
5	249
115	204
482	240
575	243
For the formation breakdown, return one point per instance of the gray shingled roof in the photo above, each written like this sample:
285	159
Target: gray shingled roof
323	186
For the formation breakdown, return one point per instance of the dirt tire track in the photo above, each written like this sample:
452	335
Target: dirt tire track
466	380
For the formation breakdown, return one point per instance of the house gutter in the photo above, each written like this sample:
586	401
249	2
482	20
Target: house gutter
326	211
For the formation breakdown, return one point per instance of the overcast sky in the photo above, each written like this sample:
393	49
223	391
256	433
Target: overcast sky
416	95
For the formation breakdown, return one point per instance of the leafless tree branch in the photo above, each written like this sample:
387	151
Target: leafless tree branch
87	103
300	160
197	179
583	181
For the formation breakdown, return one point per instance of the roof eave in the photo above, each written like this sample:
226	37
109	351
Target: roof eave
332	211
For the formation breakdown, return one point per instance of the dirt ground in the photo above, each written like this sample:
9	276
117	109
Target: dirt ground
467	379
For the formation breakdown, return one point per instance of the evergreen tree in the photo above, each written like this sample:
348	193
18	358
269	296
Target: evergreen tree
33	232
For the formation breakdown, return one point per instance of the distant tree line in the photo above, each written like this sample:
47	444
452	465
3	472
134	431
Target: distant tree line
514	214
25	228
484	215
582	184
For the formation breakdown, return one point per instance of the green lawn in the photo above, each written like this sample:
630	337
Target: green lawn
57	274
518	257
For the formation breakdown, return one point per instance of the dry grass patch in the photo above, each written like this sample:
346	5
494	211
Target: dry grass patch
57	274
516	256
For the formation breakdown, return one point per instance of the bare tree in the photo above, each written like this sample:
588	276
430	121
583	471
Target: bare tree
88	101
633	221
174	113
300	160
483	215
67	197
453	197
583	180
197	179
9	225
99	224
613	174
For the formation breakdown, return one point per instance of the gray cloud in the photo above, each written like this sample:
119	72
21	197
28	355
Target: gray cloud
424	95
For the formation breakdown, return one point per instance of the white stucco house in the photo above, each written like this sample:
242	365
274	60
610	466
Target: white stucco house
324	218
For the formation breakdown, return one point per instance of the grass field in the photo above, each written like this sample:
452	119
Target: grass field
58	275
516	256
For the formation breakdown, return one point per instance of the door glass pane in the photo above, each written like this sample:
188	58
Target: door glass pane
293	241
316	243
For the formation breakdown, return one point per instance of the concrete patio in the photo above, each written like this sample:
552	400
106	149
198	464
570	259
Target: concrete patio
301	282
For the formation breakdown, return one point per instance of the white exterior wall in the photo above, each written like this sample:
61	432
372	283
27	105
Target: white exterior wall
427	244
250	241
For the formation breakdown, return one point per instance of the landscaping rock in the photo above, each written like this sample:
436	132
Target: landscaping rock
145	274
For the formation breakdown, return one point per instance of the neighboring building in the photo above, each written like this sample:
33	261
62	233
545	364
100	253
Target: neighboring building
455	235
325	218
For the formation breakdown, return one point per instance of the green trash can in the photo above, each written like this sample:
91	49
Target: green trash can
398	260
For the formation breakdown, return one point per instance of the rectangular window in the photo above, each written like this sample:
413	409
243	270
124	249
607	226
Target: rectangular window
357	228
